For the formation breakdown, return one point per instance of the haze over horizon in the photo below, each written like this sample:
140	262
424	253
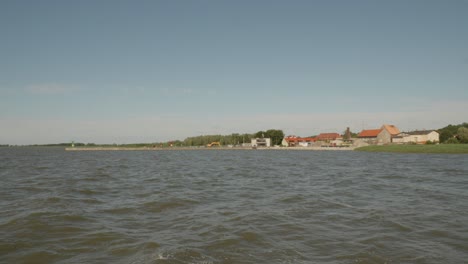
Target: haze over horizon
152	71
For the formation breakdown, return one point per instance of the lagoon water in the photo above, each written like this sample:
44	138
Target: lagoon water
237	206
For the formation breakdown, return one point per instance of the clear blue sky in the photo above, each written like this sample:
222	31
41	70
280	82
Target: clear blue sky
146	71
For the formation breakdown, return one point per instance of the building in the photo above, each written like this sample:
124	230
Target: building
369	135
347	135
261	142
293	141
418	137
328	136
384	135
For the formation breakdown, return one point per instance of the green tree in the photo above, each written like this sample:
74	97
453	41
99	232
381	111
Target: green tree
275	135
203	140
260	134
246	138
449	132
445	135
462	135
452	140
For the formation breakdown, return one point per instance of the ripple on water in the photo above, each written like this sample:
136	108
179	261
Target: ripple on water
52	224
99	238
292	199
250	236
53	199
364	257
38	256
88	192
159	206
215	207
186	256
91	201
120	211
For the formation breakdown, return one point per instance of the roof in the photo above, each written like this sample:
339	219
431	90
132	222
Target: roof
299	139
393	130
369	133
325	136
420	132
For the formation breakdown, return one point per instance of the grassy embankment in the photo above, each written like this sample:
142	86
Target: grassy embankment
441	148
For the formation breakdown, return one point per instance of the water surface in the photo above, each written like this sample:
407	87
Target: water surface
237	206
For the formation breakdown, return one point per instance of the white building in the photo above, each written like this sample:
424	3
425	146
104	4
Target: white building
261	142
419	137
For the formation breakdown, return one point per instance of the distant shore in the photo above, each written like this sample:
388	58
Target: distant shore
202	148
434	149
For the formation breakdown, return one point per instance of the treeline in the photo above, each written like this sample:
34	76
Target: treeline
54	145
79	144
453	134
233	139
275	135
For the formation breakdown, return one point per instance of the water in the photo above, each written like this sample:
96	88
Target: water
221	206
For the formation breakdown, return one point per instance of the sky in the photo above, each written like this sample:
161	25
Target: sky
152	71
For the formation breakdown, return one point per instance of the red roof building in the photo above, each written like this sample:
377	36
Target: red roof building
383	135
369	133
393	130
294	141
328	136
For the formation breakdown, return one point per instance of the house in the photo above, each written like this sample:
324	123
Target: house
418	137
330	139
261	142
369	135
328	136
293	141
387	134
384	135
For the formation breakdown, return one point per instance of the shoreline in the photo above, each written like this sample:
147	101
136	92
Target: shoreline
216	148
413	149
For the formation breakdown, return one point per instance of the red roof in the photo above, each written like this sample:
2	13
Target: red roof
299	139
328	136
369	133
393	130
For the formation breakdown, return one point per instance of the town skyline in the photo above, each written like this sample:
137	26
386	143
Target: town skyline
153	71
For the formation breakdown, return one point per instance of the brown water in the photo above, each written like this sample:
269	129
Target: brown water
235	206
